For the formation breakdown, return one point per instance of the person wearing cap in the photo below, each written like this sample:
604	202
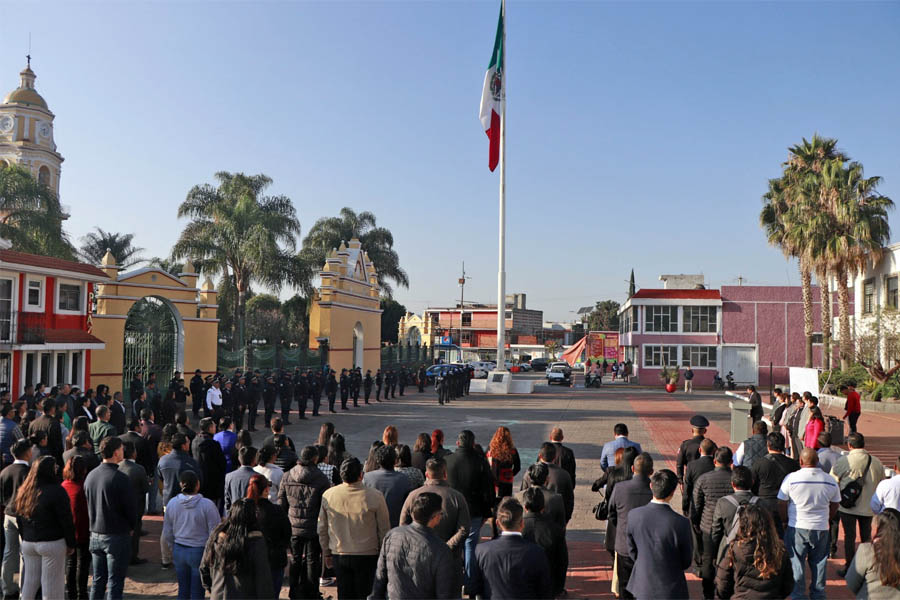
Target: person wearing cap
690	448
214	400
254	390
331	387
270	390
345	389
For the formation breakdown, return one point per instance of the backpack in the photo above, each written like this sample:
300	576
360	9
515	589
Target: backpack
853	490
733	531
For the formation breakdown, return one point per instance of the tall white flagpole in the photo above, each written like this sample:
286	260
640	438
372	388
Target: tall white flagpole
501	271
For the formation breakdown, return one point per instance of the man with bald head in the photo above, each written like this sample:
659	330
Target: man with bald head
808	501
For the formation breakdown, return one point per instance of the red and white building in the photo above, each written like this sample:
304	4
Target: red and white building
45	321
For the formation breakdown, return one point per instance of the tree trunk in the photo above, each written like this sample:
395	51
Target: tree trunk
242	328
825	297
844	318
806	282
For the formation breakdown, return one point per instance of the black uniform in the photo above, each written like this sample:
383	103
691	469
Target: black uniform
689	451
316	387
254	391
355	383
379	382
367	385
401	379
286	395
345	389
421	377
331	387
197	398
301	390
270	391
239	395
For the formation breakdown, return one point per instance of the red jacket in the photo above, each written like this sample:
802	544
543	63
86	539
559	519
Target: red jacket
811	438
852	404
78	504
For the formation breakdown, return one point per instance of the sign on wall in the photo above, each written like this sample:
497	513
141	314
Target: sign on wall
602	345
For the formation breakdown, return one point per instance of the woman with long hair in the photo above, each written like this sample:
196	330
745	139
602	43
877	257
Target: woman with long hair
235	563
504	460
337	453
189	520
814	427
875	569
756	564
47	531
78	564
404	465
79	424
421	451
274	525
390	437
325	433
437	441
371	460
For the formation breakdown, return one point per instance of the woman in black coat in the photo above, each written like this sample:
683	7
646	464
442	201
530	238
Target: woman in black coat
620	472
275	527
235	563
756	564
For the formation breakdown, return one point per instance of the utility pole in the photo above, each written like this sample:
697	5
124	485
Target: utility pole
462	305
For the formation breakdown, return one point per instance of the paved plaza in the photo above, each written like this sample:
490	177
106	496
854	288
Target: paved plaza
657	420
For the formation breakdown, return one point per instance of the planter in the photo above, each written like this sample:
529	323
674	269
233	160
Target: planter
670	387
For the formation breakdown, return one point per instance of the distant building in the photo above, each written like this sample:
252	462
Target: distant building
413	330
474	326
875	320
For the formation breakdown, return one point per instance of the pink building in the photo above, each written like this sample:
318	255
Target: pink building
740	328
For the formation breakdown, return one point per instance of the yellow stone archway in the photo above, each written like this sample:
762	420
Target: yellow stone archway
194	310
346	308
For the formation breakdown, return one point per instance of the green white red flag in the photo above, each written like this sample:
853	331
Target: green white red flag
493	96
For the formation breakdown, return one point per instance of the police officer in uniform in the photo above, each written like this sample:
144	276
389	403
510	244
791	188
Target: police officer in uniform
239	393
316	387
367	384
197	397
301	390
355	383
401	379
270	392
420	377
254	392
392	383
379	382
690	449
345	389
331	387
286	395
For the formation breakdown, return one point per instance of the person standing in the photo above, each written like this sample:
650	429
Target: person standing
139	486
554	506
268	469
10	433
353	522
197	396
852	407
101	428
558	480
300	495
565	458
753	447
769	473
414	562
367	385
331	387
237	481
214	400
48	531
688	380
469	473
511	566
828	454
420	378
690	448
112	515
548	535
379	383
211	460
227	438
395	486
692	473
620	440
659	543
626	496
756	409
865	472
49	424
169	470
504	461
728	507
235	561
78	563
710	487
814	427
189	521
275	527
345	389
887	494
875	570
11	479
808	501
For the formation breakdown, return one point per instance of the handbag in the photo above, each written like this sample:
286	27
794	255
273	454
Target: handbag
601	511
853	490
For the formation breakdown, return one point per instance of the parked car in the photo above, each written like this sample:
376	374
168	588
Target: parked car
539	364
524	366
560	373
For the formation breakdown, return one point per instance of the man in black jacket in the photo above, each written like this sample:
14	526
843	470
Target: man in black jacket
10	479
367	385
111	512
565	458
756	409
727	507
140	485
511	566
117	413
345	389
300	495
286	396
49	424
626	496
768	473
254	392
690	448
692	473
558	480
710	487
211	459
469	473
548	535
197	395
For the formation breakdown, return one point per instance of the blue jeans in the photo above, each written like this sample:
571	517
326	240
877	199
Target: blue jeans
187	569
808	545
471	542
110	555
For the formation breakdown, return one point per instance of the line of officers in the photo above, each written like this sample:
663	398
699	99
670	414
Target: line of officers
452	381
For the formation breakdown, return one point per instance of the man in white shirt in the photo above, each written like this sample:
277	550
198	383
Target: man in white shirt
269	470
808	501
214	400
887	494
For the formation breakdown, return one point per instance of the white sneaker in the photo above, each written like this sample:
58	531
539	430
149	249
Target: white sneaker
326	581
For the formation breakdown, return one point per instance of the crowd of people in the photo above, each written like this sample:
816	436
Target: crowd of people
408	521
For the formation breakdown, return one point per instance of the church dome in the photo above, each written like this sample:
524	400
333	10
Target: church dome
25	93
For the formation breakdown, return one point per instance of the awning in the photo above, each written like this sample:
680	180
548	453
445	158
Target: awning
572	355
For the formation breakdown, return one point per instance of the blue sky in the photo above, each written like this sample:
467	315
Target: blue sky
640	135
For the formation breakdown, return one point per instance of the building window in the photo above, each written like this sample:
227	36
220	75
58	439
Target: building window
44	176
435	319
467	319
75	379
660	356
890	285
662	318
466	338
6	302
6	372
60	368
698	356
869	296
35	297
69	297
699	319
634	318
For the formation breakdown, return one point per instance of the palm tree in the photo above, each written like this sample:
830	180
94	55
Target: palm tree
238	232
95	244
31	216
858	232
328	233
170	266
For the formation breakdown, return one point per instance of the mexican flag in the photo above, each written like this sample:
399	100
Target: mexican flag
493	96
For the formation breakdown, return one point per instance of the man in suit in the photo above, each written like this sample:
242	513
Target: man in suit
710	487
659	543
565	458
511	566
727	507
626	496
558	480
141	446
692	473
137	475
49	424
117	413
690	448
607	456
548	535
237	481
554	507
209	455
756	409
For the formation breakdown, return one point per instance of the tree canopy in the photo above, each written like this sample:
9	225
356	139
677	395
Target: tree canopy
32	215
95	244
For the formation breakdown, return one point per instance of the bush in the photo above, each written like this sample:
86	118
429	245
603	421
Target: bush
830	381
